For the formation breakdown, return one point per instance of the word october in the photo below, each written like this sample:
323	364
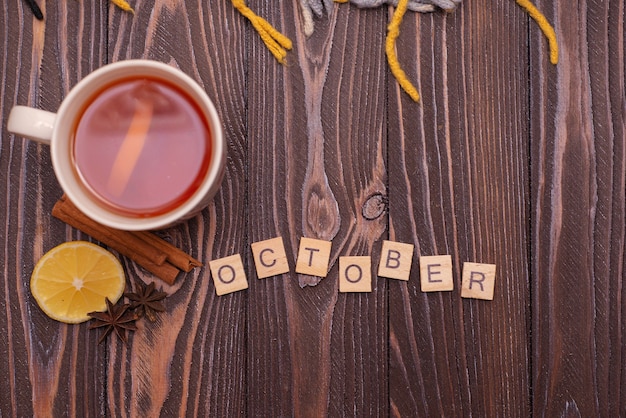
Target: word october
355	272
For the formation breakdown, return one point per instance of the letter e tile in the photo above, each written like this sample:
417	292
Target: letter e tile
270	258
436	273
395	260
478	281
228	274
313	257
355	274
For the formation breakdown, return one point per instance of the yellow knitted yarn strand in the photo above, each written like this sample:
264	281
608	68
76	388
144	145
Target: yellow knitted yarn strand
393	31
276	42
545	27
123	4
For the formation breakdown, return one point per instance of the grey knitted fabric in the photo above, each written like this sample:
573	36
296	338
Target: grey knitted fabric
318	8
414	5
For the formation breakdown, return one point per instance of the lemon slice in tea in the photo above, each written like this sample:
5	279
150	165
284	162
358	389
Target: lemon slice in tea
75	278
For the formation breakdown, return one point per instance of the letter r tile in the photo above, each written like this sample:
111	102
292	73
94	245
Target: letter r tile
478	281
395	260
313	257
228	274
270	258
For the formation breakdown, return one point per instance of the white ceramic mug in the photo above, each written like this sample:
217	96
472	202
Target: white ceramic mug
57	130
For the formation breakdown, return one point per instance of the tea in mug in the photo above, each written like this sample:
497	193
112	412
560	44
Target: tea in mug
141	146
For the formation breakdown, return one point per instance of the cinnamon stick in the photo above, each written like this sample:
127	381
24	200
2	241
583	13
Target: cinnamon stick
176	256
114	236
106	235
146	249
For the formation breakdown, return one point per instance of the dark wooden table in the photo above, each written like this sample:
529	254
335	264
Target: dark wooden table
507	160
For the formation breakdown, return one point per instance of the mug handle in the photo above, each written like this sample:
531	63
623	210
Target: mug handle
32	123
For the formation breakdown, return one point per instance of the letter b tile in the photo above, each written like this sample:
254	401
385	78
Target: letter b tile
395	260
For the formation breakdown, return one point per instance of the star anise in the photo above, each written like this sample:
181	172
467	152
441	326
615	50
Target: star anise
116	318
146	300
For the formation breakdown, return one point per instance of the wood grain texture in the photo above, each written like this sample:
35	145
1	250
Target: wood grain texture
313	166
507	160
458	185
48	368
578	207
192	362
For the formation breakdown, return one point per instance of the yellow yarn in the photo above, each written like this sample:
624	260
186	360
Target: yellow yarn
393	30
545	27
123	4
276	42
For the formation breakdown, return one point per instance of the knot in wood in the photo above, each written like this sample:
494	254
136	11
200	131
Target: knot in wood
374	206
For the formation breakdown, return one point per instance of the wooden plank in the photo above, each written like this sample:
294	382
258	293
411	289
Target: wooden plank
48	368
578	207
322	148
458	185
192	360
317	170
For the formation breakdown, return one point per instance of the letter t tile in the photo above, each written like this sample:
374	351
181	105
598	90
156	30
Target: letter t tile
313	257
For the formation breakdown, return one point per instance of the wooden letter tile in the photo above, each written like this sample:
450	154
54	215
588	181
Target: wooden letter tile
270	258
313	257
395	260
436	273
478	281
228	274
355	274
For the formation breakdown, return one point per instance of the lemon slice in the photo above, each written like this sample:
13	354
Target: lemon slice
75	278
